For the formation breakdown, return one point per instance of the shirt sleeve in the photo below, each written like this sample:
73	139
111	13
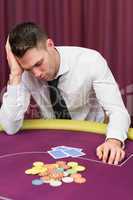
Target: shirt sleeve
15	103
108	95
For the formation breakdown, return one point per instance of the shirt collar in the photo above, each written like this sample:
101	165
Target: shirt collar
63	68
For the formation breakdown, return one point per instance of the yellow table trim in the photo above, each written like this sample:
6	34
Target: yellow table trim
74	125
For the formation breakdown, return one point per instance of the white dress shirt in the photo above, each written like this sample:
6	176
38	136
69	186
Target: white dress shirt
87	86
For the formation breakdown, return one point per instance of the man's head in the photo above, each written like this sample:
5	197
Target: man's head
26	36
34	51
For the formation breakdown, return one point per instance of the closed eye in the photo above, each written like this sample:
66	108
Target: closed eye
38	63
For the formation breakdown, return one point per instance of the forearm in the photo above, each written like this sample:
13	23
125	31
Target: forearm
15	104
119	122
108	95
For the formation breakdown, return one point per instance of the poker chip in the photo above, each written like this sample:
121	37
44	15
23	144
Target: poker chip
65	173
28	171
59	170
35	171
72	164
45	178
65	167
61	163
67	179
71	171
79	168
46	181
55	183
38	163
57	173
80	180
37	182
74	176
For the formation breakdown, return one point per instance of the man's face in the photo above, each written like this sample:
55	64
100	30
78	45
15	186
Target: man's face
42	62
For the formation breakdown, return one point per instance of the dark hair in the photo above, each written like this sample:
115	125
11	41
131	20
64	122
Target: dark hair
25	36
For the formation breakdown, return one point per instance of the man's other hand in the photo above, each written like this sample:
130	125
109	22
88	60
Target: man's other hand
111	151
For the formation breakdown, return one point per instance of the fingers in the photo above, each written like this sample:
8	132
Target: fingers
102	152
99	152
8	47
8	50
10	57
114	157
110	154
122	155
105	154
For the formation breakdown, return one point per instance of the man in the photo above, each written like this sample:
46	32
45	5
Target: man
85	83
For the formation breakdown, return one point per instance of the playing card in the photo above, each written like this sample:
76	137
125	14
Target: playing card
65	148
57	154
74	152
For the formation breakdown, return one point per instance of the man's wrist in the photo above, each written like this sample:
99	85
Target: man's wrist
116	141
14	79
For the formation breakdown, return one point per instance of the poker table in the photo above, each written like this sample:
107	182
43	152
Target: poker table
31	143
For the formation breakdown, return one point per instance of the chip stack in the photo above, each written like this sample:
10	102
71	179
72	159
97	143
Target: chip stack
56	173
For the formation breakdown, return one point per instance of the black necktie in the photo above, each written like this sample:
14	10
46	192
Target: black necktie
57	101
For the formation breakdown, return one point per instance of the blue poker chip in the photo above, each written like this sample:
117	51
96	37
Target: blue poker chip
37	182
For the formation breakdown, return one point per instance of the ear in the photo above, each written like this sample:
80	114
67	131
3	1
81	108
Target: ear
50	43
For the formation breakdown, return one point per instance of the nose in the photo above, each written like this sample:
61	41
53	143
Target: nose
37	73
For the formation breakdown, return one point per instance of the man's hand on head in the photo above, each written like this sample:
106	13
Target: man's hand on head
15	69
111	151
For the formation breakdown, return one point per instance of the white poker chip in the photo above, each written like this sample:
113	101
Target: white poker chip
55	183
67	179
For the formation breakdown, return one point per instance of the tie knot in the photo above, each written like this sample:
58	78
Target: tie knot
54	82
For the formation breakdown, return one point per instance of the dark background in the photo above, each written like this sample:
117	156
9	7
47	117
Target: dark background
104	25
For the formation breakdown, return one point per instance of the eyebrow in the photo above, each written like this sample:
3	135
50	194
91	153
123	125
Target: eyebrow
37	63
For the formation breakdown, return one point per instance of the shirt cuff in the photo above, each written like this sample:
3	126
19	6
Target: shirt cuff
115	134
13	90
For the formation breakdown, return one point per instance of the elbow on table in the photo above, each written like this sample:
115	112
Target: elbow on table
11	128
11	131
